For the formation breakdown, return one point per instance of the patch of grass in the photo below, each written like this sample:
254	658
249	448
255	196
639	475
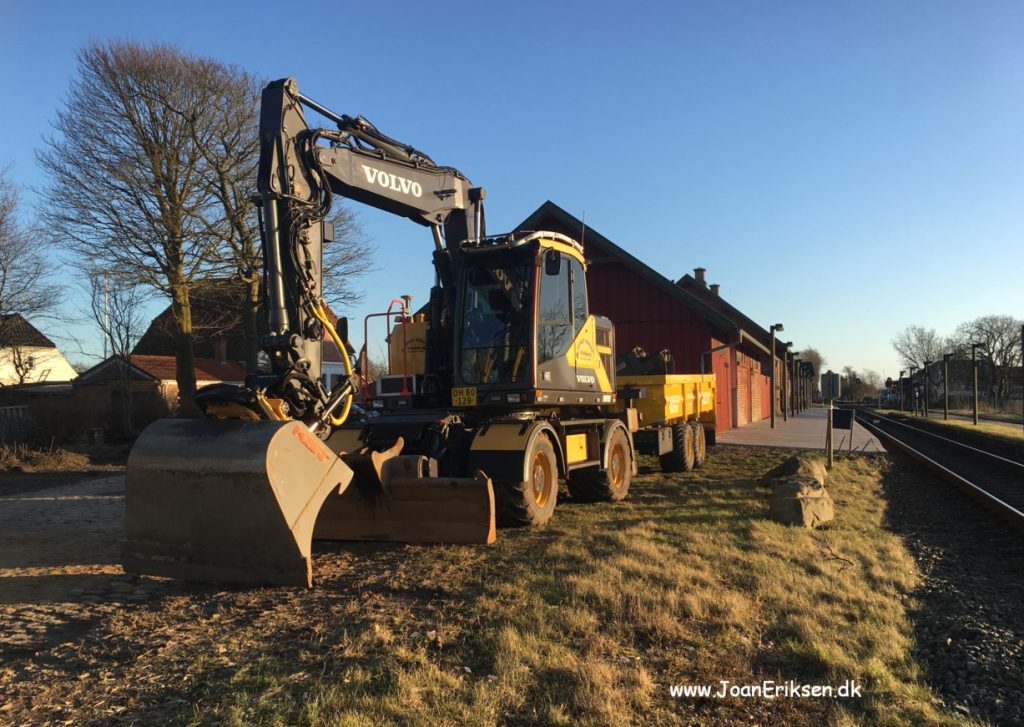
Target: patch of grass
587	621
990	429
994	430
25	458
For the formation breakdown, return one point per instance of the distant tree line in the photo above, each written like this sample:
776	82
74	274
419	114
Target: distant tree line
999	359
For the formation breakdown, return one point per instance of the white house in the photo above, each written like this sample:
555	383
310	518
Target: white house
27	356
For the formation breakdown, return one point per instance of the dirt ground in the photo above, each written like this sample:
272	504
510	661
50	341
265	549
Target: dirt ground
45	586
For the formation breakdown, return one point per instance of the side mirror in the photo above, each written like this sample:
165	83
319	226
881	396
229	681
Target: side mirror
552	262
342	329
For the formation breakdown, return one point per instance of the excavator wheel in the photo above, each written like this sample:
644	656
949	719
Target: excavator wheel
610	485
680	458
530	502
700	446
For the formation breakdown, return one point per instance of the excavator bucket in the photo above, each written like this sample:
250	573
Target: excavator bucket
411	504
227	501
241	501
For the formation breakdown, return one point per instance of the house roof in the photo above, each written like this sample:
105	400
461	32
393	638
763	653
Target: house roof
16	331
551	210
162	368
690	284
216	307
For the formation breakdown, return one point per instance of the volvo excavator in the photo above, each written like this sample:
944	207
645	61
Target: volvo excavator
513	393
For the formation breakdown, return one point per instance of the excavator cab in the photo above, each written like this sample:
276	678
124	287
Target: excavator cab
526	336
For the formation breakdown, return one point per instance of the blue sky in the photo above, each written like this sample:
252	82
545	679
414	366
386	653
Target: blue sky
802	152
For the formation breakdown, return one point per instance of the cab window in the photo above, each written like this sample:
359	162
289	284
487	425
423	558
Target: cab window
554	315
579	297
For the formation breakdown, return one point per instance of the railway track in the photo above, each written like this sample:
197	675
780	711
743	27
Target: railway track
994	480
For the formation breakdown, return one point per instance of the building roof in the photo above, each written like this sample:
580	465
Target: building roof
162	368
550	210
216	308
716	301
16	331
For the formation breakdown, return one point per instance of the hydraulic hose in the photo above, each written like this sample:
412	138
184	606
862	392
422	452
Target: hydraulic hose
321	316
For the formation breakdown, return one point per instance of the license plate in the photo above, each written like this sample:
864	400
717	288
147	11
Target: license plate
464	396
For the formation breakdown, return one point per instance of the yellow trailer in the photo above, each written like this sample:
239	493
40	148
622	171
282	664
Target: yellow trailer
675	416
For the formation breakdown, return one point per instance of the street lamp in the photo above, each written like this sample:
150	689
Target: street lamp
902	371
926	365
785	382
774	327
974	365
794	378
913	389
945	384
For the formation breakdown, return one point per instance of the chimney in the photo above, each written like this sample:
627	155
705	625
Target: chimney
698	273
714	289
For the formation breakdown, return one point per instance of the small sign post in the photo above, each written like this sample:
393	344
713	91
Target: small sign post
830	390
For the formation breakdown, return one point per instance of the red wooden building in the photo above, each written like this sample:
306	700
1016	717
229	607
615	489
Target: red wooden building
703	332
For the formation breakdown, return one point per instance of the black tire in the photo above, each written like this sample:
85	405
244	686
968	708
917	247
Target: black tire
680	459
606	485
530	502
700	445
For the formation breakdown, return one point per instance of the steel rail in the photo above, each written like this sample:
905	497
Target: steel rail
1004	509
968	447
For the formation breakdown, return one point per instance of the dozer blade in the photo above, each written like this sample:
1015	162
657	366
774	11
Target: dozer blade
227	501
408	504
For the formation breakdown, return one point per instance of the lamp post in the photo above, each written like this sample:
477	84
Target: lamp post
902	371
785	382
926	365
913	389
945	384
795	394
774	327
974	366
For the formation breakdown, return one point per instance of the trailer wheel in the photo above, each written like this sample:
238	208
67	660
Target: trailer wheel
531	502
680	459
609	485
700	445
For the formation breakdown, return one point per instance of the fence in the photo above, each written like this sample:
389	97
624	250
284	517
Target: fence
14	424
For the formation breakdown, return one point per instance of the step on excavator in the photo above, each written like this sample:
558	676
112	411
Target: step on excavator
513	390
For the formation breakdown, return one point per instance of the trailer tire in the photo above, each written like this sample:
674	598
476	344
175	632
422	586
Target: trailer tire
594	484
700	445
530	502
680	458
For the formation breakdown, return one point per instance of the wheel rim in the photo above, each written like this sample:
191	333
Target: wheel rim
617	465
541	479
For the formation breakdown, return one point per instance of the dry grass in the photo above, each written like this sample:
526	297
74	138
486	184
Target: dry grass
25	458
585	622
999	431
1006	431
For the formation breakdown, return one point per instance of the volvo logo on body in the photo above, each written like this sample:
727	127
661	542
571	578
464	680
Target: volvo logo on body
392	181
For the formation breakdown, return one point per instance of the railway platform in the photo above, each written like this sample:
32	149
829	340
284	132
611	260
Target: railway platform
806	430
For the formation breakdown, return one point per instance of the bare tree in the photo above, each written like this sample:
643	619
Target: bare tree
25	270
1001	352
128	168
917	344
812	356
116	303
231	149
348	257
